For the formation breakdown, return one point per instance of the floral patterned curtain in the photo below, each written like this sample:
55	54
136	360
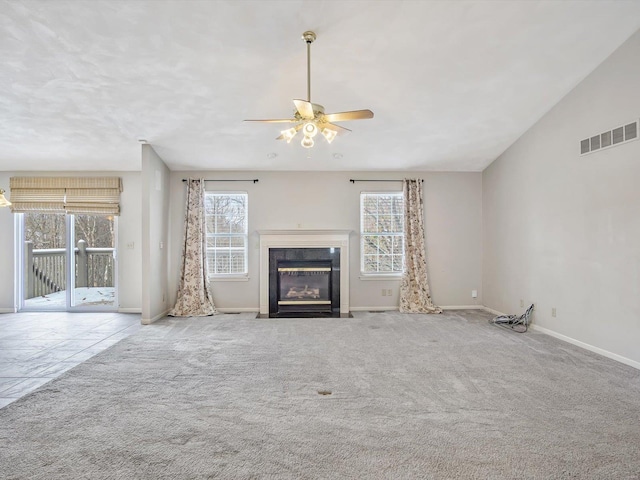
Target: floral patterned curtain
194	294
414	288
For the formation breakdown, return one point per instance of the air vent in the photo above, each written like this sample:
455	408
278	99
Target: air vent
618	135
584	146
611	138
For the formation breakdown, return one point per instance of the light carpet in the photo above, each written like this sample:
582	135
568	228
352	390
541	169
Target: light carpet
401	396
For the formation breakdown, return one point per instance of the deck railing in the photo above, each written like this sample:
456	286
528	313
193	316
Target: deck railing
45	268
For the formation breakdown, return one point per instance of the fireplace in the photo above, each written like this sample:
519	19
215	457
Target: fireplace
304	282
331	245
304	285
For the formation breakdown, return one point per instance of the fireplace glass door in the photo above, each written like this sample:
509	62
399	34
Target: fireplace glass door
304	286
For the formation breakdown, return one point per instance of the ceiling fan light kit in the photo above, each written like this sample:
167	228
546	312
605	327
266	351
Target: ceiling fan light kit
310	117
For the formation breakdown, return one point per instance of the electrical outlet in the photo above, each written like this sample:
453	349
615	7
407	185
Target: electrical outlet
384	292
474	293
553	312
389	292
131	245
521	302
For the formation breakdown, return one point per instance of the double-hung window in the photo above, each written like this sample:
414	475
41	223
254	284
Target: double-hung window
227	233
381	232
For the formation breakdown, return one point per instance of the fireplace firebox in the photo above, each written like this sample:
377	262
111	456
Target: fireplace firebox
304	282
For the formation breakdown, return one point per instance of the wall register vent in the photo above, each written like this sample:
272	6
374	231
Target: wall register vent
614	137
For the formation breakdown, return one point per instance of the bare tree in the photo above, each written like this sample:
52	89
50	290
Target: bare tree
382	232
226	226
48	231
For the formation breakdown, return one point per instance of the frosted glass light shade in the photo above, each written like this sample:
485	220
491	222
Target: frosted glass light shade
3	201
329	134
310	129
289	134
307	142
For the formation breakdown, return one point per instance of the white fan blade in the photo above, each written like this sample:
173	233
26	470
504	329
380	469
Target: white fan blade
305	109
352	115
282	120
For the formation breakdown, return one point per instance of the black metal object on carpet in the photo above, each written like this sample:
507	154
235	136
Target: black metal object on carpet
516	323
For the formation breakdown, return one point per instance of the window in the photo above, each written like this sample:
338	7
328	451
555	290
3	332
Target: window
381	233
226	219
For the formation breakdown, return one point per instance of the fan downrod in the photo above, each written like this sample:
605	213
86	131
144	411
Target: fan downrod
309	37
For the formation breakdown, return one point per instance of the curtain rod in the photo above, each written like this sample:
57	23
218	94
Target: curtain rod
254	180
371	180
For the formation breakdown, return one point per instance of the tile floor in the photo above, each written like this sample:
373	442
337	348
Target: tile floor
37	347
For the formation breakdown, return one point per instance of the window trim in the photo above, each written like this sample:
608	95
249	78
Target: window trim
393	275
236	276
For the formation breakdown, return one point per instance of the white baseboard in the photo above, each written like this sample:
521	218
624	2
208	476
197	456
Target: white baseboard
491	310
238	310
462	307
372	309
446	307
586	346
149	321
7	310
129	310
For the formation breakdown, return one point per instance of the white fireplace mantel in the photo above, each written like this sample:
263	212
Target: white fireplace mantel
304	239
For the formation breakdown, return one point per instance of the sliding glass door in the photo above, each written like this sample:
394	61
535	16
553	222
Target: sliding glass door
44	261
94	261
68	262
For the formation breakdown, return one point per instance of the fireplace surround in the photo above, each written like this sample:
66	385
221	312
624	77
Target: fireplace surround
313	279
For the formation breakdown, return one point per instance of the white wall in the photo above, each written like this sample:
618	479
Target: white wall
563	230
6	250
155	227
327	200
129	230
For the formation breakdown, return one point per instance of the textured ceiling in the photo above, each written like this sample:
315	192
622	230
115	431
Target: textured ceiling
452	83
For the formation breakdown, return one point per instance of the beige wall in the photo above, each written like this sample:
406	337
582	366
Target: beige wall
327	200
129	231
155	226
563	230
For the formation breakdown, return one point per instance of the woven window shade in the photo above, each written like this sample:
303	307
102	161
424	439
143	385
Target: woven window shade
77	195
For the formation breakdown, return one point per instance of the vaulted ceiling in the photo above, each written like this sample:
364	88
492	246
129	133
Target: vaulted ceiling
452	83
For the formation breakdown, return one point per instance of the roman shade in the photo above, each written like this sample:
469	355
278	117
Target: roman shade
76	195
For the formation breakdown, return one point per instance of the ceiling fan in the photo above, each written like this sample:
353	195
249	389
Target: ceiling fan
310	117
